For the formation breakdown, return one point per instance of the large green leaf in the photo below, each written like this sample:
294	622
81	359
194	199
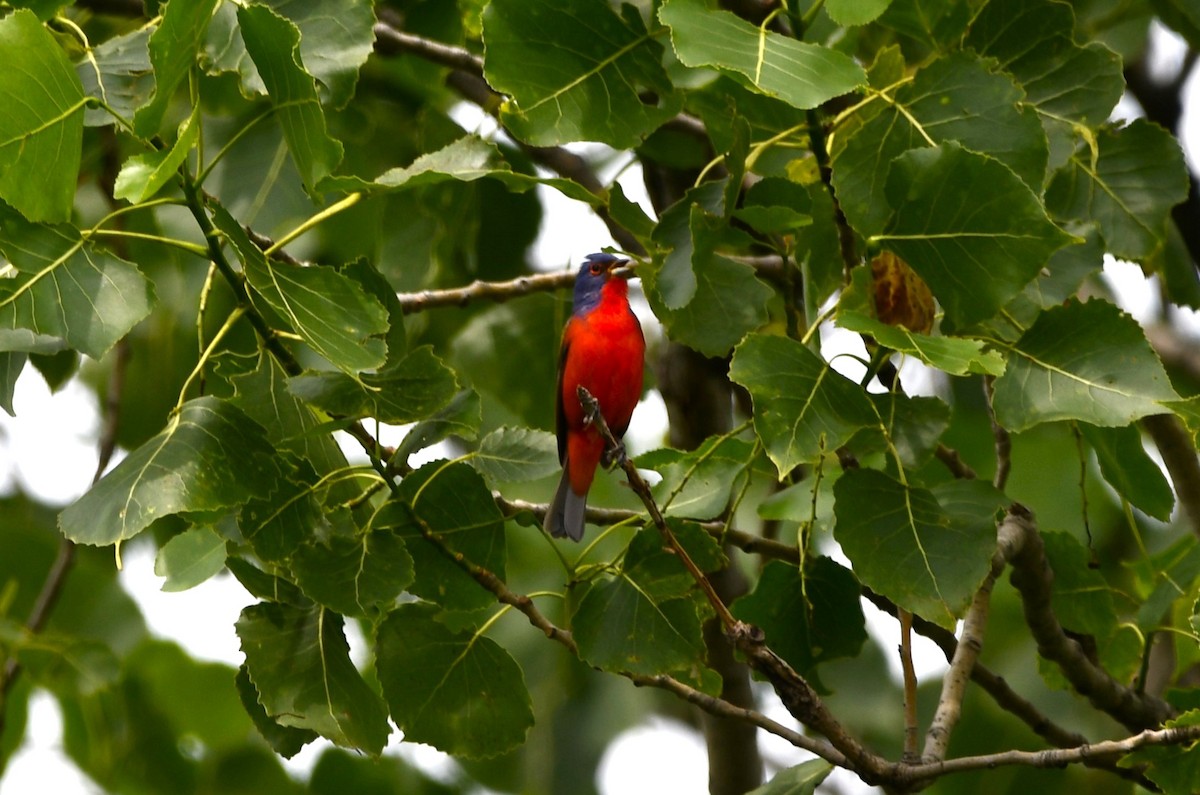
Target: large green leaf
336	37
117	72
465	160
1081	361
450	502
1129	469
360	576
575	72
210	456
262	393
284	740
300	665
65	288
329	310
1065	82
274	44
926	551
41	128
190	558
1127	184
719	299
803	409
808	618
458	691
698	483
510	455
619	627
173	48
974	232
803	75
953	355
412	389
956	98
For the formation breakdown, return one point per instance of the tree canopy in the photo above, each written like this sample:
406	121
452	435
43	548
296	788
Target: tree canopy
258	231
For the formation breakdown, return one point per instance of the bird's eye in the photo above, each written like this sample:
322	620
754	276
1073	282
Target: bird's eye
595	269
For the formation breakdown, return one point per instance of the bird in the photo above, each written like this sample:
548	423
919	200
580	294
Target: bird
603	350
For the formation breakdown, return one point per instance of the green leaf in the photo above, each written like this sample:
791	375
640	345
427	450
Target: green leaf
460	692
41	128
575	72
726	301
1130	470
956	98
173	48
1082	600
331	311
953	355
284	740
658	571
291	426
467	159
1066	83
803	409
336	37
1081	361
487	344
914	425
619	627
66	287
190	558
142	176
855	12
803	75
11	365
697	483
934	24
803	779
973	231
904	544
117	72
209	457
807	618
299	662
413	389
461	417
274	44
1127	185
511	455
451	502
361	576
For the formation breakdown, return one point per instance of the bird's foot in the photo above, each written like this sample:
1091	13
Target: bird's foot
614	456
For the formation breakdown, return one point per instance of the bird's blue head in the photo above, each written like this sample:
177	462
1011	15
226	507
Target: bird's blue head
594	273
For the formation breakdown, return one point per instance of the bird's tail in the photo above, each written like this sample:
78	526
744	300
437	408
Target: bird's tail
565	516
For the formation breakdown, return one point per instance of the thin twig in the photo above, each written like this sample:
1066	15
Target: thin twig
966	653
1003	442
911	730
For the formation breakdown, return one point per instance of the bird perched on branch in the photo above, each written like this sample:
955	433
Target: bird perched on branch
602	350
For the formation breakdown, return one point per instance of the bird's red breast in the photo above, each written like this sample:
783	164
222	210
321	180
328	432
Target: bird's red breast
603	351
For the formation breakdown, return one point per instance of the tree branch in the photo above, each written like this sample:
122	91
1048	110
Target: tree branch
1033	579
966	652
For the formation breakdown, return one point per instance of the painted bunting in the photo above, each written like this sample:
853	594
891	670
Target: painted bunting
602	351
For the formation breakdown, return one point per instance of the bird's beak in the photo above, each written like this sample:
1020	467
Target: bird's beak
623	268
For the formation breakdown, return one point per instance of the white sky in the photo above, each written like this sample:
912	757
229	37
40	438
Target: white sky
201	620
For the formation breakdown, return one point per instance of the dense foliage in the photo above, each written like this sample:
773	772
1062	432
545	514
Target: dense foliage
256	229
